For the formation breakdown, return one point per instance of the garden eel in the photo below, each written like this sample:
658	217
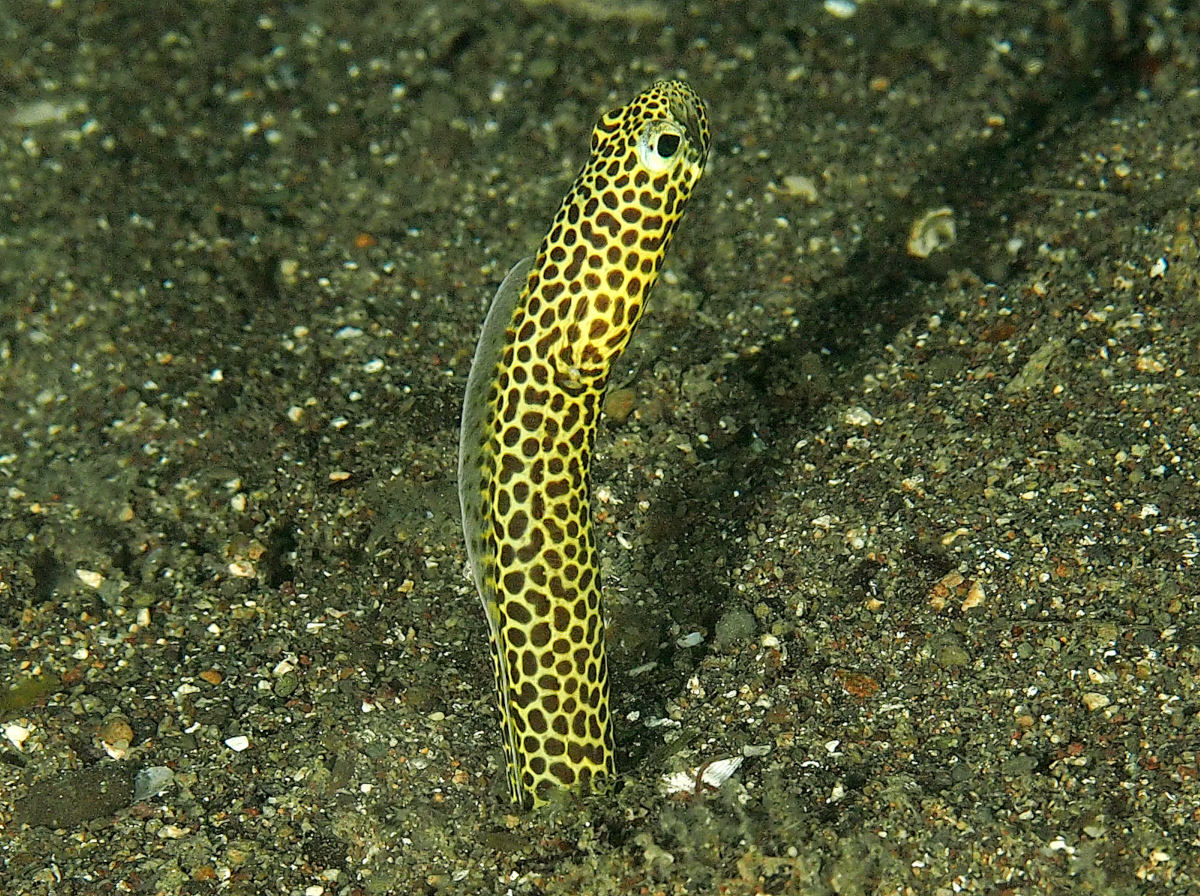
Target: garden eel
558	323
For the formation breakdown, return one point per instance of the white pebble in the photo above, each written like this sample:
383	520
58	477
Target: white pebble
151	781
16	734
859	417
89	578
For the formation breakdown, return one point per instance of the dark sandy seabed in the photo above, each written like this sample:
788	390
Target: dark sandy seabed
914	537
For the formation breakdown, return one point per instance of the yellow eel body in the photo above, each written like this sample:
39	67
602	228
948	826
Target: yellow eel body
557	325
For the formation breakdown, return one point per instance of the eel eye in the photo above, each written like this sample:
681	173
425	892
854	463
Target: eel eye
659	144
668	144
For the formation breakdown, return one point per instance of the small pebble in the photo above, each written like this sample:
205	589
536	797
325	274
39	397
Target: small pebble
241	569
115	736
619	404
16	734
89	578
800	187
735	626
151	781
857	416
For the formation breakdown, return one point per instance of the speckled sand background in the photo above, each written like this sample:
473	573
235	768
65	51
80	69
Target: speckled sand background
916	538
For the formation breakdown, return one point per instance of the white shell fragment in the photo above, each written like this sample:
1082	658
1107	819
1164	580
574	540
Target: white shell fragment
89	577
799	186
933	232
16	734
712	774
238	743
151	781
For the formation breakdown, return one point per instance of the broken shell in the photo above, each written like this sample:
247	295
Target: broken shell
933	232
711	774
115	736
242	569
975	597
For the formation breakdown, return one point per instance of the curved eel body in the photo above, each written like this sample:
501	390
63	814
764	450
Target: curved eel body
555	328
